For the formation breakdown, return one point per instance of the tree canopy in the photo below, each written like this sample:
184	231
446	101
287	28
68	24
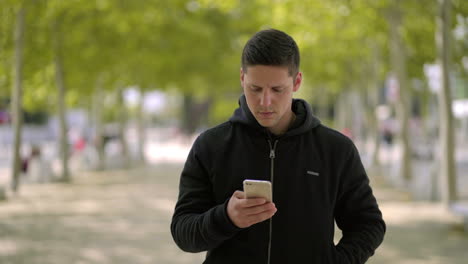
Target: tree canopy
195	45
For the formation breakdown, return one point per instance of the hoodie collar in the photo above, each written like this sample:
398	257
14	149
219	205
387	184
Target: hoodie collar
305	120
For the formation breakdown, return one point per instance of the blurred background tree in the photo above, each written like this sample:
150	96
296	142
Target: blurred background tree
363	62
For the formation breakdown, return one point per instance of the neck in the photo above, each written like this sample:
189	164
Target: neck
281	130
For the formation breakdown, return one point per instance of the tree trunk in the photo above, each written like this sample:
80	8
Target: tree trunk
195	113
99	129
189	125
373	99
123	127
373	126
398	63
321	105
17	95
141	128
341	113
61	91
447	168
357	112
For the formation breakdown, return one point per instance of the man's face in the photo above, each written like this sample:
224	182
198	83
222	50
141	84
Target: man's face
269	91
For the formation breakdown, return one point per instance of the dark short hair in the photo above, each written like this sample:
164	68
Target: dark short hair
271	47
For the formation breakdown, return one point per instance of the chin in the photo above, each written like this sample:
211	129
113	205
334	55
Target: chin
267	123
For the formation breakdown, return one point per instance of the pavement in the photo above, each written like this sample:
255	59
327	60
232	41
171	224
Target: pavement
104	217
417	231
123	216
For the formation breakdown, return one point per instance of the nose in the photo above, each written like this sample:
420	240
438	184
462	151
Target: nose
266	98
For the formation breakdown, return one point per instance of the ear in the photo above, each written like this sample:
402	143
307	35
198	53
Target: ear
297	82
242	77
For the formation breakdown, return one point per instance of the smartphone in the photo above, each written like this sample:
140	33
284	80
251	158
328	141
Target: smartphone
258	189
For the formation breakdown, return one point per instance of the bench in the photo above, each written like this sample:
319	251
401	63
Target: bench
461	208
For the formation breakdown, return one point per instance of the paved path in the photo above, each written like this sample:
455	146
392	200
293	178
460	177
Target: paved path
107	217
418	232
123	217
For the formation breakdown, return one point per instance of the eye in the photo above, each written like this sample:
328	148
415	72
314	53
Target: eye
278	90
256	89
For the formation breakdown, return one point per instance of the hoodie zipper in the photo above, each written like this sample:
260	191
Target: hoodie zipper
272	174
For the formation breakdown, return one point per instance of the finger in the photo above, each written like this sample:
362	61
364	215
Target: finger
248	202
253	202
239	194
257	218
259	209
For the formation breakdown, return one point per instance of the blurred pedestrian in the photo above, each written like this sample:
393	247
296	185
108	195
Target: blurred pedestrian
36	168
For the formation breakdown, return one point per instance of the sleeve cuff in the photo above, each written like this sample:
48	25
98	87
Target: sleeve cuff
222	225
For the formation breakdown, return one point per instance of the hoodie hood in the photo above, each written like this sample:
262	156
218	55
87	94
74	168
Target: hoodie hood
304	122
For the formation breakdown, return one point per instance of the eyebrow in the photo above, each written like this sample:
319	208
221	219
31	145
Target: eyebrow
277	86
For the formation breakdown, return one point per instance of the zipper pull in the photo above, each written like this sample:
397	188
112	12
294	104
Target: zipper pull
272	149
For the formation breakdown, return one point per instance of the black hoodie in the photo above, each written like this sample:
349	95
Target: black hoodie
317	178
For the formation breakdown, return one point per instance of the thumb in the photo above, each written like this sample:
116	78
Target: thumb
239	194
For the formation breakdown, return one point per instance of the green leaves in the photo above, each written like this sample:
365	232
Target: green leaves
195	45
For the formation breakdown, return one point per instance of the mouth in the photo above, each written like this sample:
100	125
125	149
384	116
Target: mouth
266	114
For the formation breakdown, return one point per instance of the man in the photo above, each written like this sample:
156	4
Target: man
316	174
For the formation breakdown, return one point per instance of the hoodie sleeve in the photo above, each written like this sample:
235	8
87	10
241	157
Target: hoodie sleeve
357	214
198	223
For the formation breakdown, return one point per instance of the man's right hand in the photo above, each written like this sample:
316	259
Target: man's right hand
246	212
